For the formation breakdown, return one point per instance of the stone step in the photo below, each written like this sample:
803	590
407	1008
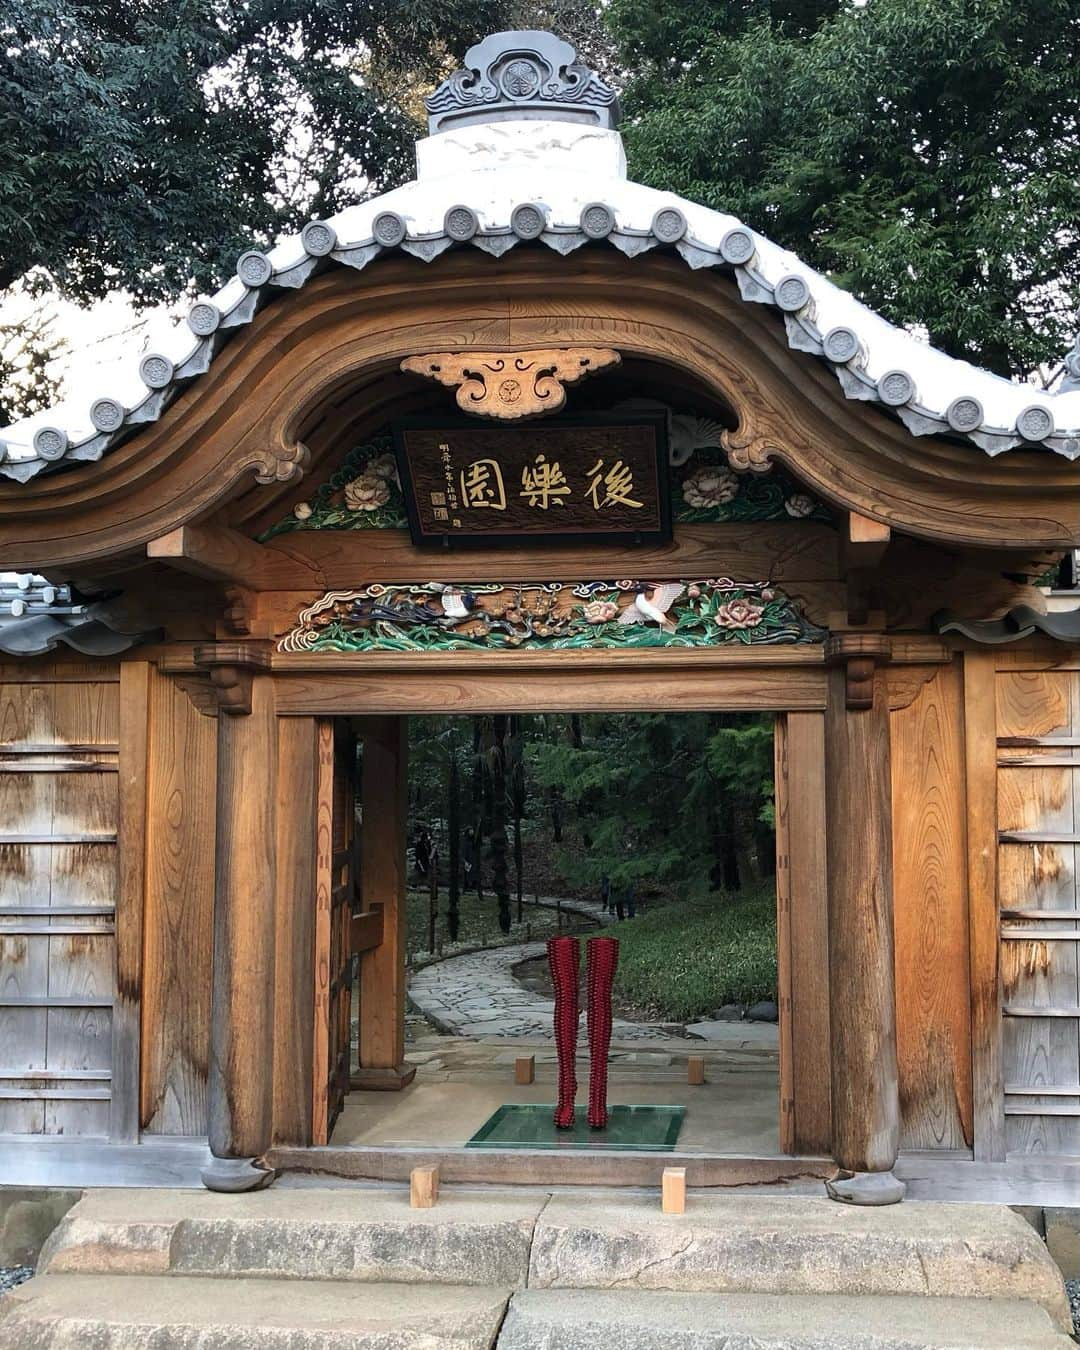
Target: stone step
572	1240
803	1245
589	1319
148	1312
345	1233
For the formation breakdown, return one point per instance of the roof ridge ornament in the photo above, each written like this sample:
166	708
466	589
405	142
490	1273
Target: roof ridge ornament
522	74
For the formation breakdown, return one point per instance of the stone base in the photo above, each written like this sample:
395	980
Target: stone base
383	1080
866	1188
233	1175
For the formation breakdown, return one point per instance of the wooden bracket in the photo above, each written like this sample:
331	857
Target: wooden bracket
861	654
866	540
232	666
508	385
221	554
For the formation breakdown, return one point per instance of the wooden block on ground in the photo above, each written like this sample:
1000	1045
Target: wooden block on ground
695	1070
524	1068
673	1190
423	1187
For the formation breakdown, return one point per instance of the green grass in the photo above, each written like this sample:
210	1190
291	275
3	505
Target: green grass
480	922
682	960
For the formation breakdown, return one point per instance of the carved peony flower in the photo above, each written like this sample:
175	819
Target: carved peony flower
600	611
739	614
366	493
383	466
799	505
302	510
712	485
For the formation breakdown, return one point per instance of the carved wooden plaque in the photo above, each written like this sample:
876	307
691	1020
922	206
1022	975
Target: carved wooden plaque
601	478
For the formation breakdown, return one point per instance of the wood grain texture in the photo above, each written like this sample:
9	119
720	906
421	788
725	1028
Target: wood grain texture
384	782
294	1030
865	1097
242	1023
179	926
59	966
933	1031
620	689
1039	799
249	413
980	778
803	748
323	930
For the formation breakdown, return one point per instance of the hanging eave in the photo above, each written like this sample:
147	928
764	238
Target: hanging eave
513	200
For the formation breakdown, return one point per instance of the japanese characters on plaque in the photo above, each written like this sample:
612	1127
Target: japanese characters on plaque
571	478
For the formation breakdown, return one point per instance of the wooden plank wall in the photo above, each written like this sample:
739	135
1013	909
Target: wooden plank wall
1038	821
179	911
930	910
58	894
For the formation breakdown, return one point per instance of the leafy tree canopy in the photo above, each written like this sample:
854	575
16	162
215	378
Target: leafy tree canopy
145	144
924	153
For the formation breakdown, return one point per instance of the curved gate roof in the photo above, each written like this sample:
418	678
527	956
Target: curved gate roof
523	148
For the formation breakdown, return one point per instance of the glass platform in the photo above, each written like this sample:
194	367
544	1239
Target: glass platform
646	1129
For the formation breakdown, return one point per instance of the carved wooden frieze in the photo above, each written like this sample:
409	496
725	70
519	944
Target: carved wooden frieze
604	615
508	385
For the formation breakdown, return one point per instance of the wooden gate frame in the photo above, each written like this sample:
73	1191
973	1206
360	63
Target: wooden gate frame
790	684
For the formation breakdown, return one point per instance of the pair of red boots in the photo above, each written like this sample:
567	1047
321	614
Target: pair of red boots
601	958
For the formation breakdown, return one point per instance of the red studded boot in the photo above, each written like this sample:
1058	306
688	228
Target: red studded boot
601	959
564	956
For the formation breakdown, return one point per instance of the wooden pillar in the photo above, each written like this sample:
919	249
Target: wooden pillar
865	1095
382	886
242	1023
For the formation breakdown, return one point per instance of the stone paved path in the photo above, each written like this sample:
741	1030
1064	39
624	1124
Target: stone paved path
477	995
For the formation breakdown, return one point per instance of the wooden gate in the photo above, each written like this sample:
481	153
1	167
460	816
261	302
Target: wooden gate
335	879
1038	820
58	786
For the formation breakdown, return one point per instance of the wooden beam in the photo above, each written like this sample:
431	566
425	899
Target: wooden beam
242	1027
858	793
130	900
221	554
382	880
866	540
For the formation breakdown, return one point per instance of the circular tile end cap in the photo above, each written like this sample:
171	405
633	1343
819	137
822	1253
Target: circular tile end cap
50	443
841	344
964	413
669	225
461	223
155	370
318	238
388	229
737	246
106	415
254	268
597	220
895	388
1035	422
791	293
203	318
528	221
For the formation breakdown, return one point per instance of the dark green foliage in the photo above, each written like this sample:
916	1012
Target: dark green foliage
682	961
925	153
145	144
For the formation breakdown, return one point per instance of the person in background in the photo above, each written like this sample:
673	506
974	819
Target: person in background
605	893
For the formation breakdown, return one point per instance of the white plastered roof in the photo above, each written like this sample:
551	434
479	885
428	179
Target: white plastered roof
491	186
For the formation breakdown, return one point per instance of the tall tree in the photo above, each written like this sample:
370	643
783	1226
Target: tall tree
924	153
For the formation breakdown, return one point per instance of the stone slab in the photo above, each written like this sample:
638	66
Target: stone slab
28	1214
1062	1227
571	1319
796	1246
364	1235
116	1312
